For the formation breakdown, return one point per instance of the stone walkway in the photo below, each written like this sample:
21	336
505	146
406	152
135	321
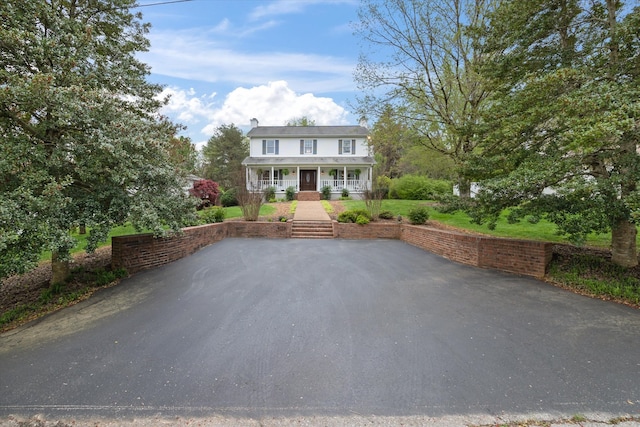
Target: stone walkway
310	211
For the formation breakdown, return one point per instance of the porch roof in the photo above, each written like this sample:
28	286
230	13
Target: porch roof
308	161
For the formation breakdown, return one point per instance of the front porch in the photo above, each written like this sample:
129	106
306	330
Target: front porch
309	178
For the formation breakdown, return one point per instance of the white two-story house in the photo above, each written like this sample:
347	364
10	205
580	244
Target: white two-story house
309	158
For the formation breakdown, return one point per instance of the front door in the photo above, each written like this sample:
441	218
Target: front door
308	180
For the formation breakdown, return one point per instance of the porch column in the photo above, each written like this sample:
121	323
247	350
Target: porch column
297	178
247	174
271	183
344	178
318	179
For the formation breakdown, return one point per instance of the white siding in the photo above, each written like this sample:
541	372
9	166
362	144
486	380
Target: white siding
327	147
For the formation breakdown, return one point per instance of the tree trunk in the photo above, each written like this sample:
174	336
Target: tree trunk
464	188
623	244
60	269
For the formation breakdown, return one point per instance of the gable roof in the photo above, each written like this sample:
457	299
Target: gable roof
308	131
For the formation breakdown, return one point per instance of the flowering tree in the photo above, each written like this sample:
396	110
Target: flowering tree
206	190
82	140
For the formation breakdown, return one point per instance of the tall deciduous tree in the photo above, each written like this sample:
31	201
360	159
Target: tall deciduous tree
561	138
81	138
223	155
301	121
428	69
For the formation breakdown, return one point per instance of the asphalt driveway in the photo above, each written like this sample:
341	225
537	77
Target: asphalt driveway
255	327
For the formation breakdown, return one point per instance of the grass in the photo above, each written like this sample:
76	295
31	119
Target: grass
81	239
236	212
543	230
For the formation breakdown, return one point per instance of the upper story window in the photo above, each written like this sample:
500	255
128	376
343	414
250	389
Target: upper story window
270	146
346	146
308	146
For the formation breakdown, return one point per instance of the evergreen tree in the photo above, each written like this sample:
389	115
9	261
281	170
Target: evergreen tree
81	138
561	137
223	155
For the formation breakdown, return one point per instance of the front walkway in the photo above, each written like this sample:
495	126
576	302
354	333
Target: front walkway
310	211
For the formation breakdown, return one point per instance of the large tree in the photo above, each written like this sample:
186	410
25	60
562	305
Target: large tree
561	138
223	155
424	61
81	138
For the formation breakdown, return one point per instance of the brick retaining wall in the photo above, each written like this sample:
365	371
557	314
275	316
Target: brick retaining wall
516	256
143	251
525	257
372	230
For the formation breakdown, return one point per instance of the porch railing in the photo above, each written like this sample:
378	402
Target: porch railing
279	184
356	185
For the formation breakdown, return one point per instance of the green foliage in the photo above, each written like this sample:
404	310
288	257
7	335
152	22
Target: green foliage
353	215
345	193
290	193
564	116
82	138
594	275
438	95
269	194
418	215
386	215
223	155
326	192
59	294
212	215
414	187
228	198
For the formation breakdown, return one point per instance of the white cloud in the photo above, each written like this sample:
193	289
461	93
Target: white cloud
274	104
191	55
283	7
184	107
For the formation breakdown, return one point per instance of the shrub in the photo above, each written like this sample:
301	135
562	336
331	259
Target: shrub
228	198
206	190
290	193
386	215
345	192
326	192
418	215
269	193
361	219
414	187
212	214
352	216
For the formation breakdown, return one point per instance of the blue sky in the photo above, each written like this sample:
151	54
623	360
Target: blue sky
226	61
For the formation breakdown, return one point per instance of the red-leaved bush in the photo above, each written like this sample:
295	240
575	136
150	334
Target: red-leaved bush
206	190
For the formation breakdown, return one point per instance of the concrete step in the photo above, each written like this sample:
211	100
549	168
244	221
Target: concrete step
312	230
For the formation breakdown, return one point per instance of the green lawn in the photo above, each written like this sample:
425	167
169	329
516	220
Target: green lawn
543	230
236	212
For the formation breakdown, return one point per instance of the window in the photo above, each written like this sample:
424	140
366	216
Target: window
346	146
308	146
270	146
